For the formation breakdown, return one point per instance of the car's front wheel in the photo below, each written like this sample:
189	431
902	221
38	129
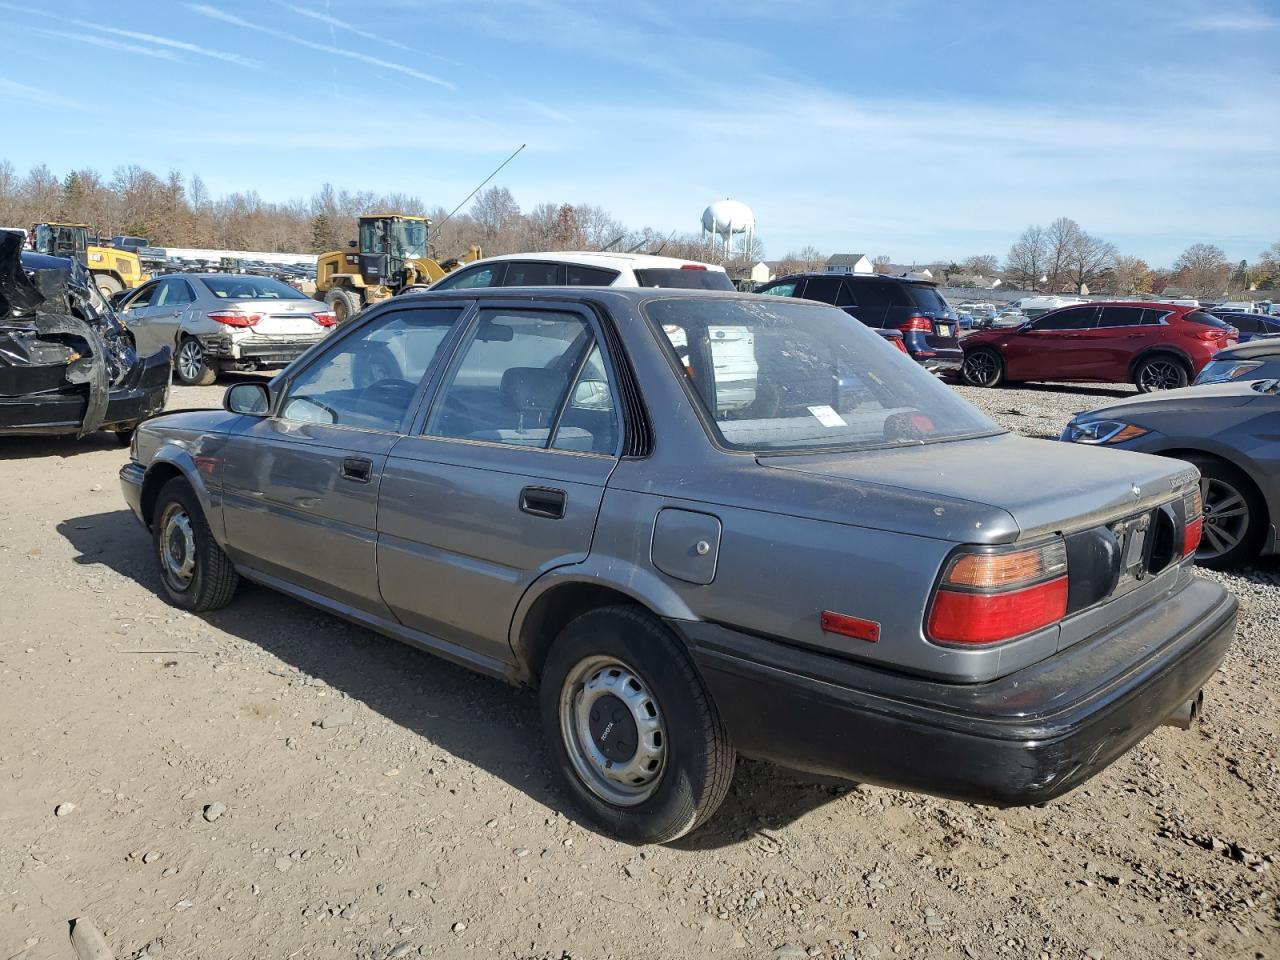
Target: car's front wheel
191	364
983	367
634	735
195	573
1235	515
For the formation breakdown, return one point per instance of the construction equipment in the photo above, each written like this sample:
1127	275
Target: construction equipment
390	256
113	269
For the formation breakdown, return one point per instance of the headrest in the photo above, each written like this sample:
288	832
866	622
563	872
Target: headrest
531	389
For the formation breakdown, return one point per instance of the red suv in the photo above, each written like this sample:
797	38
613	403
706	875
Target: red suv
1154	346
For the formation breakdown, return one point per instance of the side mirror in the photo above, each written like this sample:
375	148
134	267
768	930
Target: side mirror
250	399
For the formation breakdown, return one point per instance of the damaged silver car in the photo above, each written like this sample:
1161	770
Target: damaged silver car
67	363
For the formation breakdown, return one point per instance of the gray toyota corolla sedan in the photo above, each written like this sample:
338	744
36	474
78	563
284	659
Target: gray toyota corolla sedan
834	563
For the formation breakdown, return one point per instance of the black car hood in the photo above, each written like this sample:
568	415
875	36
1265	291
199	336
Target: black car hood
56	332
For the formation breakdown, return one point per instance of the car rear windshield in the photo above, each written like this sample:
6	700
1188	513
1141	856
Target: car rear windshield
243	287
690	279
926	298
1205	319
776	375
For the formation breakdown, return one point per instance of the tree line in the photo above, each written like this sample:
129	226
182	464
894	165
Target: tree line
178	211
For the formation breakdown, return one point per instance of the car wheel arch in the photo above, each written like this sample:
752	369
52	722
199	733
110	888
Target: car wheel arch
1162	350
558	597
164	467
1232	458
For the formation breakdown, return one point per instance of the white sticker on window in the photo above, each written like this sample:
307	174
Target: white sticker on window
828	417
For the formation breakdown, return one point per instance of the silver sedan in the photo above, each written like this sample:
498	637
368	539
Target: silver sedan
224	321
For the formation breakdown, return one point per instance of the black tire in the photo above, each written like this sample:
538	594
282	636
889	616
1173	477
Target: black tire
212	580
1229	539
698	758
1160	371
107	285
125	436
191	365
982	367
344	303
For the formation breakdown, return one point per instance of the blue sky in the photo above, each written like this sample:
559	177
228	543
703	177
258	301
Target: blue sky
915	129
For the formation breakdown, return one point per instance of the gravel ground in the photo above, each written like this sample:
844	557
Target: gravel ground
373	802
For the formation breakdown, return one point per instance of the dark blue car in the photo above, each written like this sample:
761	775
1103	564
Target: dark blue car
1250	325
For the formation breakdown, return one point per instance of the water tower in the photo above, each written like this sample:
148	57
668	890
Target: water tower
726	218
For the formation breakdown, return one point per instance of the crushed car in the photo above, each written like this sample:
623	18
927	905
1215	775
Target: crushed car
67	363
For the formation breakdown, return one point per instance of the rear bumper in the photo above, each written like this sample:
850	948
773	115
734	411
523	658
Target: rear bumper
1022	739
258	350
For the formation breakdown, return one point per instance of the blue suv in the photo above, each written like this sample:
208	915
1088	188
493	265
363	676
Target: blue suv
930	329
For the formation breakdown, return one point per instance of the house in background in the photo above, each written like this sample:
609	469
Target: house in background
762	272
850	263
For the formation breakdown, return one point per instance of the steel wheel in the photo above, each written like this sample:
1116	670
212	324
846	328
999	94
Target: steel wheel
177	546
189	360
613	730
981	368
1226	518
1161	374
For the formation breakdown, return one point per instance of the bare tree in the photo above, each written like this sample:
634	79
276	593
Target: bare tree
881	263
1202	269
1026	261
1268	265
1089	258
981	265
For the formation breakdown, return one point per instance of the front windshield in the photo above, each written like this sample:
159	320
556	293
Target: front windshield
774	375
409	239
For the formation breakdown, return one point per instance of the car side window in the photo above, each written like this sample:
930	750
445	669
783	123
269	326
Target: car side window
878	294
1072	318
1153	318
368	379
1121	317
829	290
521	374
784	289
580	276
533	273
143	297
489	275
1245	324
172	293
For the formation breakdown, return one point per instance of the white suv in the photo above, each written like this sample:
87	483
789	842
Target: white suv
580	269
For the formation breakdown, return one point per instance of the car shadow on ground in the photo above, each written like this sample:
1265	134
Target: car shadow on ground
474	718
1118	390
35	448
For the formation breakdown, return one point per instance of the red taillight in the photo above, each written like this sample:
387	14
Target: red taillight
326	318
693	266
898	342
916	324
236	318
1216	333
990	597
1193	510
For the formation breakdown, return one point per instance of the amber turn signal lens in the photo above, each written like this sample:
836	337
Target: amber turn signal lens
995	571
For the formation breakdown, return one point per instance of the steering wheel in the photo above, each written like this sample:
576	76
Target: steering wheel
391	391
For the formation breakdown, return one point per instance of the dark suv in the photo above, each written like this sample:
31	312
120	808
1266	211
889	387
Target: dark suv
930	331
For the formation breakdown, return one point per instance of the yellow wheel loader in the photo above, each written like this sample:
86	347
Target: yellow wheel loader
390	257
113	270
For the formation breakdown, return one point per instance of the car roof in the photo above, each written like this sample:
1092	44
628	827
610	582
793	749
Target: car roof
624	295
589	258
41	261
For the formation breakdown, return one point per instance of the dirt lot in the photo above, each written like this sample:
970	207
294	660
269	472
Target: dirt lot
381	803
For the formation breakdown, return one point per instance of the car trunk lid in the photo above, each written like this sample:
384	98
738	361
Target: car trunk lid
281	317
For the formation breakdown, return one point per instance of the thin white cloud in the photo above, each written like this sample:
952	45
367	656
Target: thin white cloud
177	45
213	13
22	93
107	43
337	22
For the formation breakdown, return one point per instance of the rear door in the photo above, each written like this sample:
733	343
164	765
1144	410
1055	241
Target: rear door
300	488
503	479
1052	347
875	299
1107	349
135	311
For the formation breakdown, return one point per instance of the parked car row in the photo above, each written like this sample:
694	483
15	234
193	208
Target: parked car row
663	508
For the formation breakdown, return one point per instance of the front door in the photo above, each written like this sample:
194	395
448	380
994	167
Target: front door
1053	347
504	480
300	487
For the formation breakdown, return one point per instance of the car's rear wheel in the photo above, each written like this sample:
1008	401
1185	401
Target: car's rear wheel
1235	515
1160	372
194	572
191	364
634	735
983	367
